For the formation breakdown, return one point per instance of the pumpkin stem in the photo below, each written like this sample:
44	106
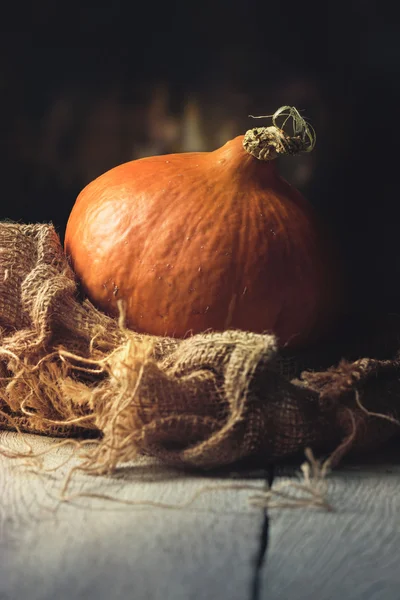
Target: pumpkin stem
266	143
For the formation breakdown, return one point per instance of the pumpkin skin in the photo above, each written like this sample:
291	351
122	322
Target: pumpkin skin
203	241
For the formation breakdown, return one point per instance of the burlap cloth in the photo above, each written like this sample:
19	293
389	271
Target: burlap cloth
67	369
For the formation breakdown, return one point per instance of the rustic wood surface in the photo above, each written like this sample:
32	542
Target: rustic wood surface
95	548
219	546
349	554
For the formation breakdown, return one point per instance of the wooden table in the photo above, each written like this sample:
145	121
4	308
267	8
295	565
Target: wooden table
137	535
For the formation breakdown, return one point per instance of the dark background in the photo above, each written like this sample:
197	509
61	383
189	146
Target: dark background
85	87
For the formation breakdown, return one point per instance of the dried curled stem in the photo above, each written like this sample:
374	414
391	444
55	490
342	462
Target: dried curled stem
266	143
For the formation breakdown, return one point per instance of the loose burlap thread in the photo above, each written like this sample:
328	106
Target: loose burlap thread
67	369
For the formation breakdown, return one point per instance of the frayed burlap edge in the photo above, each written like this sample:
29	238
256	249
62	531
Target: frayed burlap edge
67	369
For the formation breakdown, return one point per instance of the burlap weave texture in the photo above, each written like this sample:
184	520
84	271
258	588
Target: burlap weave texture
209	400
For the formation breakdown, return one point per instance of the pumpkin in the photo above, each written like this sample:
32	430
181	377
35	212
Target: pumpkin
199	241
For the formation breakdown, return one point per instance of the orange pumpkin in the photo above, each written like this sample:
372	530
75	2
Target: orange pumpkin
207	241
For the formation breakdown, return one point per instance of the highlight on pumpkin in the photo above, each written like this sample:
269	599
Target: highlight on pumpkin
202	241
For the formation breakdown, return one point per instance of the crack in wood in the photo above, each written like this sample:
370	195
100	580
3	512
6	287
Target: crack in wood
262	550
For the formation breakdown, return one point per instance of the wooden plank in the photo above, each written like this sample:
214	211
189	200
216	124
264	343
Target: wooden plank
351	553
99	549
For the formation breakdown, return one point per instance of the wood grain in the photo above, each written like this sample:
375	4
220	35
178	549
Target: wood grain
95	548
349	554
99	549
